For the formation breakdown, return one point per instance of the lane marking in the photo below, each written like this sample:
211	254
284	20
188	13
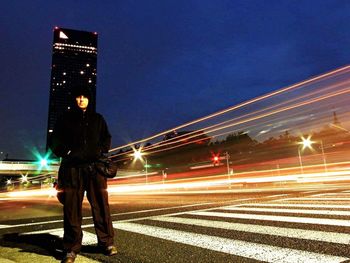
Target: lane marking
90	217
331	237
290	219
301	205
165	208
261	252
293	211
319	199
125	213
31	224
332	194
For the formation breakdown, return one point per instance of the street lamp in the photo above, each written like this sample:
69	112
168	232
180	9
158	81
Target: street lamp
24	178
227	156
323	157
8	182
138	155
307	143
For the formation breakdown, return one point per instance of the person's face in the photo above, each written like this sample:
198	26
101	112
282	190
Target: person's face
82	102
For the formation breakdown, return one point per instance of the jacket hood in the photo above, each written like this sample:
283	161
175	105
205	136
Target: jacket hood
81	90
78	91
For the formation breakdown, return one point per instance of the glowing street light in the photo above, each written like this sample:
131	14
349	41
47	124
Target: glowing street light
24	178
138	155
307	143
8	182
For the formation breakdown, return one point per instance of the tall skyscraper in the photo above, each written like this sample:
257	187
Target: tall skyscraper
74	63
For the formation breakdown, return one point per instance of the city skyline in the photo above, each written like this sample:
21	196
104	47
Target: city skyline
164	64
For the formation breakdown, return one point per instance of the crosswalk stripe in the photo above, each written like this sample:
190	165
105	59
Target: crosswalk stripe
331	237
301	205
290	219
293	211
255	251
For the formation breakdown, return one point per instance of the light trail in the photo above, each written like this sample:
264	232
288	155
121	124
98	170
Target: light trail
210	128
314	79
241	120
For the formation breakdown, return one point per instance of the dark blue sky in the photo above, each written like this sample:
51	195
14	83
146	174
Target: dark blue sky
163	63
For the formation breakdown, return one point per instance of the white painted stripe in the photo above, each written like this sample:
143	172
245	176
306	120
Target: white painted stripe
333	194
331	237
125	213
320	199
291	219
255	251
167	208
88	238
293	211
31	224
301	205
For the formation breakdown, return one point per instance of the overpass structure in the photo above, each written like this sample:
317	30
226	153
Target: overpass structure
15	174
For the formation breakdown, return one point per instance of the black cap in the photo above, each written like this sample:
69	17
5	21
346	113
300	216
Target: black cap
81	90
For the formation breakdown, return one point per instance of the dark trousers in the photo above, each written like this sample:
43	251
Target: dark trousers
74	181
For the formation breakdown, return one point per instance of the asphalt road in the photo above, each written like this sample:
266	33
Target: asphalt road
291	226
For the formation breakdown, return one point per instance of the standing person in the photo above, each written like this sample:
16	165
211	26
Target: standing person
81	136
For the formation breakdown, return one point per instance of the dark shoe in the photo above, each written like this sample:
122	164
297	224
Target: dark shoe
69	258
111	251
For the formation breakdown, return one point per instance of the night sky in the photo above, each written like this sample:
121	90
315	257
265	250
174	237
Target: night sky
162	63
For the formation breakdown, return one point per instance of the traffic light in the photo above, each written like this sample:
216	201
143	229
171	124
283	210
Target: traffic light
215	159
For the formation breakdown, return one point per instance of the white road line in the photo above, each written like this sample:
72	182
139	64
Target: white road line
293	211
302	205
255	251
331	237
165	208
31	224
125	213
319	199
88	238
291	219
333	194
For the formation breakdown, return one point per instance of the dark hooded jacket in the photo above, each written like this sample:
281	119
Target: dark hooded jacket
80	137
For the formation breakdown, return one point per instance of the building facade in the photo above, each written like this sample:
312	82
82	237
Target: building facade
74	63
